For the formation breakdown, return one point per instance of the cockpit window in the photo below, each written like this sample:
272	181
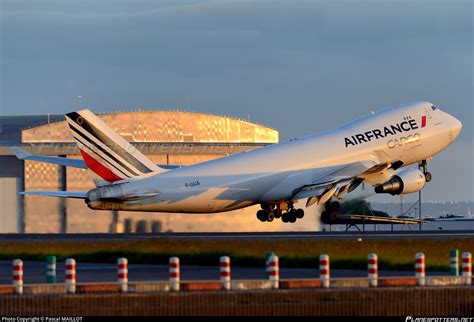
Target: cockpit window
434	108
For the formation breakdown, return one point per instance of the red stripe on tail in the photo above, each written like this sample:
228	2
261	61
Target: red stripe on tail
423	121
98	168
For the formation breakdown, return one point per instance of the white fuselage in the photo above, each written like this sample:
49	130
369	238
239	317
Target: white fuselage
408	133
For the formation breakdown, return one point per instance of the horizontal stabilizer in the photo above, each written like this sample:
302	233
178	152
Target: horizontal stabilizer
59	194
24	155
67	162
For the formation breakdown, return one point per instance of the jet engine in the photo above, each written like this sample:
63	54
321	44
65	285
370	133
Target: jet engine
405	181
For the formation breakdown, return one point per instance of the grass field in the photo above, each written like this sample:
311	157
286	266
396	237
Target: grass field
393	254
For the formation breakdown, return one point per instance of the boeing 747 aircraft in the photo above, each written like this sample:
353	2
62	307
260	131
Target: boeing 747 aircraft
322	168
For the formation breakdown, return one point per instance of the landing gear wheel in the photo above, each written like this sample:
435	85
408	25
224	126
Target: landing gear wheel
292	217
327	205
328	217
332	206
262	215
428	176
299	213
289	216
335	206
277	213
270	217
324	217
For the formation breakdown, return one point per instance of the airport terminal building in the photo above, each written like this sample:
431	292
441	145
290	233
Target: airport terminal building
166	137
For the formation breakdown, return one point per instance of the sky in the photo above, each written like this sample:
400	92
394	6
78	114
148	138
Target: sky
297	66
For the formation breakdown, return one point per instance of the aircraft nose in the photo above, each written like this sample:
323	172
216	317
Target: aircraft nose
456	127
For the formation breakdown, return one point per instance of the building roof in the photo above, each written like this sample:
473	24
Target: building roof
144	126
163	126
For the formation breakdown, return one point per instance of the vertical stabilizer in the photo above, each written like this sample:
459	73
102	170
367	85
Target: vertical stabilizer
104	151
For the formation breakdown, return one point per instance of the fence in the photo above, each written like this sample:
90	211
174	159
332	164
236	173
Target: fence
426	301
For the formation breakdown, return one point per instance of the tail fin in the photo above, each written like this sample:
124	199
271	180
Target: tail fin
104	151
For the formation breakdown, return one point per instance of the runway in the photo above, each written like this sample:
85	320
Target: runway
385	235
34	272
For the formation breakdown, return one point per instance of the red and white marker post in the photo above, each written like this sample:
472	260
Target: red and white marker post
17	272
324	272
274	271
467	268
122	274
373	270
420	268
224	267
174	273
70	266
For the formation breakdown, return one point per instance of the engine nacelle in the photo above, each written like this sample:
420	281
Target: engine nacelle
105	198
405	181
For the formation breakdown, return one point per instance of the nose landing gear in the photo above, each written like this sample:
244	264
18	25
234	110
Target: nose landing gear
424	166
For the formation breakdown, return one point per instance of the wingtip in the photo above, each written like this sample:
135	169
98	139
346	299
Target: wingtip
20	153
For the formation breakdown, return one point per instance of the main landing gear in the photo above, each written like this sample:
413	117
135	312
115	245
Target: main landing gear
330	212
285	211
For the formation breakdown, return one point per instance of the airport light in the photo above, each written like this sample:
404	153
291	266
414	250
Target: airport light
373	270
267	257
18	275
174	275
274	271
454	262
224	266
467	268
420	268
70	266
122	274
324	274
51	269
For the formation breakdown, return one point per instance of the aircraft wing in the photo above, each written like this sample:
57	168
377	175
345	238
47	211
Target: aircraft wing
342	179
24	155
